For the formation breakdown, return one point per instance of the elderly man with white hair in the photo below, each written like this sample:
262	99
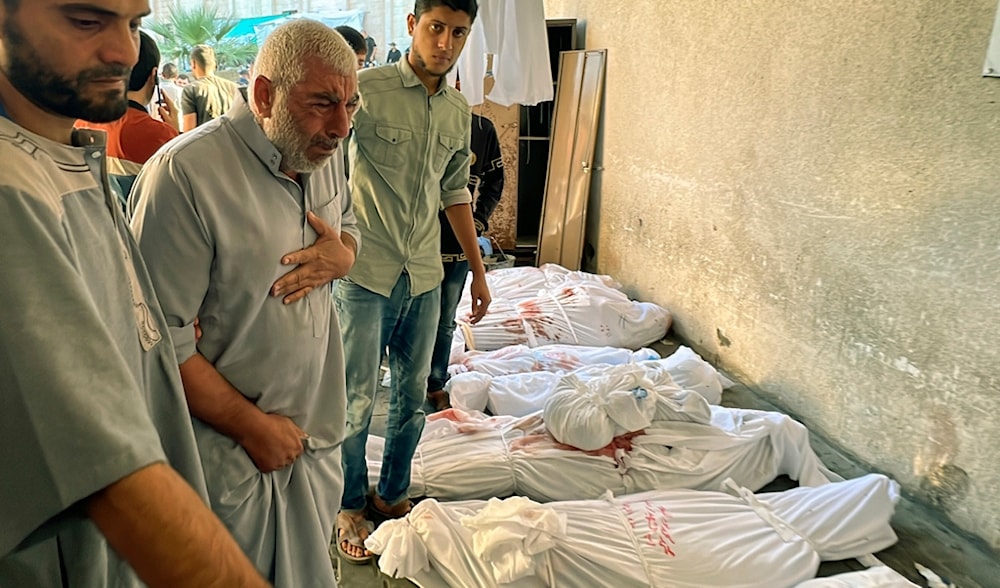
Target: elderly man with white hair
222	214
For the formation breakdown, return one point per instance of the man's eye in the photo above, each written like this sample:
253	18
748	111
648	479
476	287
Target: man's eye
459	34
85	23
135	24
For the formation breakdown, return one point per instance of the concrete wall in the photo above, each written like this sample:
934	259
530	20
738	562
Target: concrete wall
812	188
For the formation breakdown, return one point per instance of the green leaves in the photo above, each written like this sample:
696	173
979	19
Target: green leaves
187	27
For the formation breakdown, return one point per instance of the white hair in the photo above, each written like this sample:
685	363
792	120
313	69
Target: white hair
289	46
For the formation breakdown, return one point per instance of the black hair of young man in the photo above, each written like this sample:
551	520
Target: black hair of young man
353	38
470	7
149	59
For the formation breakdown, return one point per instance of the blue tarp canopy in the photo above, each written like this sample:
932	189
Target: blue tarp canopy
261	26
245	25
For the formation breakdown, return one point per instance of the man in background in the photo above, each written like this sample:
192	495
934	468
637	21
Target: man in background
169	87
102	483
133	138
356	41
210	96
371	49
486	185
265	380
393	55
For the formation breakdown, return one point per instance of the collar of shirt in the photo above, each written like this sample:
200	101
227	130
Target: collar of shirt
91	140
410	78
80	137
246	127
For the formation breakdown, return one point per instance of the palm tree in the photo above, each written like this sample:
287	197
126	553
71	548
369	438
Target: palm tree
188	27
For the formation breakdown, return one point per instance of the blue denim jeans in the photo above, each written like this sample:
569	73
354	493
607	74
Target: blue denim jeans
455	274
369	323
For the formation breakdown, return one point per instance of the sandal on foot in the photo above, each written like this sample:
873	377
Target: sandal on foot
349	529
439	400
382	512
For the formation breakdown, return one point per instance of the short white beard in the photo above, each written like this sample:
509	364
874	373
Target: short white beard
284	134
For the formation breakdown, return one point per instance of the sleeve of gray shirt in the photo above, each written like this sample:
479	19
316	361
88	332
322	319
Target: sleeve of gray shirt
175	244
72	419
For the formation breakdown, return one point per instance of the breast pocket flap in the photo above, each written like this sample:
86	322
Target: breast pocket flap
393	135
452	144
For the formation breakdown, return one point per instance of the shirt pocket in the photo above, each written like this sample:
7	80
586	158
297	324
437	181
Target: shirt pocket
444	149
329	210
389	145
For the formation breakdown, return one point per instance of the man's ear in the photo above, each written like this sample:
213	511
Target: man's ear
411	23
262	95
151	80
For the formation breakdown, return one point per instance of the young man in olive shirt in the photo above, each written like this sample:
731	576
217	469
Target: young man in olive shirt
410	156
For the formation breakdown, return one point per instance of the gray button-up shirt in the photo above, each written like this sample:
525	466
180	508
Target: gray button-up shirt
214	216
89	388
410	156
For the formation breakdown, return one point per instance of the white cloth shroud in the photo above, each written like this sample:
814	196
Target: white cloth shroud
591	406
517	359
517	380
668	538
874	577
539	306
464	456
518	283
584	314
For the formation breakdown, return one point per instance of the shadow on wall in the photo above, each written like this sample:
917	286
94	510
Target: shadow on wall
591	239
942	484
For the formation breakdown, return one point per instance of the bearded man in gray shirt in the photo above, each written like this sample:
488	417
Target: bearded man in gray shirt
265	380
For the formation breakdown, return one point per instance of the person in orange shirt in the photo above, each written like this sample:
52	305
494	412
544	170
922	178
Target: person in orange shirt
135	137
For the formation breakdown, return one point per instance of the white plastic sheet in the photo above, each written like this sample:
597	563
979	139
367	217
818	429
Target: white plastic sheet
673	538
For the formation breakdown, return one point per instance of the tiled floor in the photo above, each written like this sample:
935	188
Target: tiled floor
924	536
